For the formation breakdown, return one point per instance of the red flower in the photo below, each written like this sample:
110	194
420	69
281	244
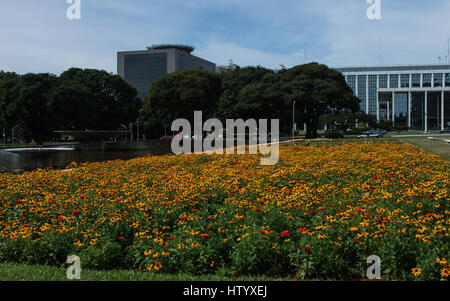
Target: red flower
121	238
21	219
312	212
205	236
18	202
60	218
183	217
285	233
111	214
172	237
261	202
302	230
385	221
194	210
208	228
51	201
256	208
355	241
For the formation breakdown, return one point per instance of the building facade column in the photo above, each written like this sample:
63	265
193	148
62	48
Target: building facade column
426	112
378	97
367	94
393	107
409	109
442	110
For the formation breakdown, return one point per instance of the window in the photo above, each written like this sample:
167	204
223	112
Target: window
383	81
393	81
447	79
362	91
351	82
405	80
415	81
437	80
426	80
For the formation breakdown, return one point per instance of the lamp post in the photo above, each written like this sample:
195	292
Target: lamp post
137	124
293	119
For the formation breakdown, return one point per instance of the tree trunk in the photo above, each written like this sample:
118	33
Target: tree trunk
311	128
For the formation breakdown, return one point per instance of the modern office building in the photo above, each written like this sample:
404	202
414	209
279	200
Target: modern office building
141	68
416	96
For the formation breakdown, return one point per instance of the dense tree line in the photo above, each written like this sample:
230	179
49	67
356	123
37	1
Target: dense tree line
252	92
35	105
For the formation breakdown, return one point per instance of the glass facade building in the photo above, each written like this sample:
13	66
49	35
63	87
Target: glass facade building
141	68
415	96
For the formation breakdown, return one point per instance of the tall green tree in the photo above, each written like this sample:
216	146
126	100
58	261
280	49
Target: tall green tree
231	103
261	99
31	106
9	92
178	95
96	100
316	90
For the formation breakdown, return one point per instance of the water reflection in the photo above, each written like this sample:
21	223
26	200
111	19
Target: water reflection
10	162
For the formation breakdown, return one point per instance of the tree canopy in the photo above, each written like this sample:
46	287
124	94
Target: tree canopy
35	105
178	95
317	90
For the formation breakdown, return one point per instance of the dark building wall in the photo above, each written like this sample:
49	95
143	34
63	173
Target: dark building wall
185	61
141	70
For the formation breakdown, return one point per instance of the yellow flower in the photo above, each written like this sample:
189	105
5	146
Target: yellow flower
416	271
442	261
445	272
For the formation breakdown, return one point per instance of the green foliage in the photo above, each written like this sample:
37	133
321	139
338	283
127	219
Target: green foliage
178	95
317	90
35	105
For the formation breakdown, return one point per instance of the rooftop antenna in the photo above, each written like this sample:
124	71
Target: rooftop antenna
448	49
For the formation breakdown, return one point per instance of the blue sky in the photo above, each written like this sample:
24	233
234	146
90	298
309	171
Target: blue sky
36	36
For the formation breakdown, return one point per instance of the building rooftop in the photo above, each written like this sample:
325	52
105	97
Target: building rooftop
185	48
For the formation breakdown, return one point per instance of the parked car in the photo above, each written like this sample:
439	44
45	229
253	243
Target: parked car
445	131
373	134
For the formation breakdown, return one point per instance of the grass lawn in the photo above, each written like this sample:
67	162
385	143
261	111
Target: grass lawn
22	272
437	146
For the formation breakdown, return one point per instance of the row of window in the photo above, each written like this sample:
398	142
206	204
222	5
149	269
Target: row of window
402	80
393	68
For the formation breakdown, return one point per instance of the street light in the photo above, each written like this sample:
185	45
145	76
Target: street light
293	119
